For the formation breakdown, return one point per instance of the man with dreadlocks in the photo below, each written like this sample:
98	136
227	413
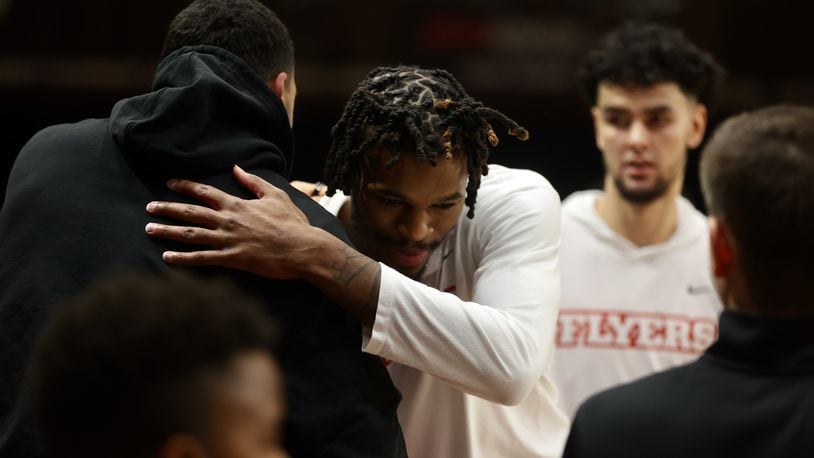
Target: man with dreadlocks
464	304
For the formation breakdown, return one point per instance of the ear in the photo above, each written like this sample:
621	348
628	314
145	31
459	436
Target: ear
277	83
698	125
722	247
596	116
182	446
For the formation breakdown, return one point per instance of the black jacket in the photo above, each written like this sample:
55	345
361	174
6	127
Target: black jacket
750	395
74	210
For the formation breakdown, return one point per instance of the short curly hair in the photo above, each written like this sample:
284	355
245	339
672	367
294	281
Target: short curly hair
412	109
246	28
641	55
116	369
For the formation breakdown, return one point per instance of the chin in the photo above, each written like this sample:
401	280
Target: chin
640	197
641	194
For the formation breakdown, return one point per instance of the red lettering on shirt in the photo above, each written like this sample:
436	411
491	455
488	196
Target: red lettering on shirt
635	330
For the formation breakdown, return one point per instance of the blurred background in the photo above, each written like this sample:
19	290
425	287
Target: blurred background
64	61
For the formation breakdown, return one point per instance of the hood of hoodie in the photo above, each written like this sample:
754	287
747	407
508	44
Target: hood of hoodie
580	207
207	111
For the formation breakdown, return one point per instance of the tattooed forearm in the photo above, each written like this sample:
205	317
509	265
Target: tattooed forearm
350	264
355	283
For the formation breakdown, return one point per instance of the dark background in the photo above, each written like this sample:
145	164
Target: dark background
63	61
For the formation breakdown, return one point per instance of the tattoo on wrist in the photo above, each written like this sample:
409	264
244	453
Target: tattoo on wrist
351	265
355	268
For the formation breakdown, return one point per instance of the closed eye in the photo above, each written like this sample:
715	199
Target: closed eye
444	205
388	200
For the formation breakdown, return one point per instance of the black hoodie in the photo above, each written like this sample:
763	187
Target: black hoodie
74	210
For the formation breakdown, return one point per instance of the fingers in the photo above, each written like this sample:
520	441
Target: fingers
194	214
195	258
320	189
303	186
253	183
191	235
209	195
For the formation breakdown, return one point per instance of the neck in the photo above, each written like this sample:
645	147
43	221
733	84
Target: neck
642	223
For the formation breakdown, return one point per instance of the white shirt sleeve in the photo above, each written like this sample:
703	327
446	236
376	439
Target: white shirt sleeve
496	346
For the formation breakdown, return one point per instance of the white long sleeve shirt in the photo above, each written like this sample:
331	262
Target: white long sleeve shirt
628	311
473	340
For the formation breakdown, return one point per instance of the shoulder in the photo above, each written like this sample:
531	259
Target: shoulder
693	228
579	214
688	214
502	181
580	202
515	209
61	137
70	132
56	152
630	418
516	193
646	396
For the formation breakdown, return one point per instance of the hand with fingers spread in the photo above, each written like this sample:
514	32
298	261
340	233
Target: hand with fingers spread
267	236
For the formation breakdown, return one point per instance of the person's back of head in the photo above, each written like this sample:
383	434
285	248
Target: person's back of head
246	28
643	55
147	366
757	173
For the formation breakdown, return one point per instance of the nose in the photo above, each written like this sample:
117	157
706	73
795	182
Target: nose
638	136
415	225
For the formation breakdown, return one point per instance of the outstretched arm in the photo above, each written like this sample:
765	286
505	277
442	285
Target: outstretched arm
268	236
494	346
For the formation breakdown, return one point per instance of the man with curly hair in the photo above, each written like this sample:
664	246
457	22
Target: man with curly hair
462	304
637	292
749	394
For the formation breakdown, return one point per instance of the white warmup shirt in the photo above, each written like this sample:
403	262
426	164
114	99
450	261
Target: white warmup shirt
474	363
629	311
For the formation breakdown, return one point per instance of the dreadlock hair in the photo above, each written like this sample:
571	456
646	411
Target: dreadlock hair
411	109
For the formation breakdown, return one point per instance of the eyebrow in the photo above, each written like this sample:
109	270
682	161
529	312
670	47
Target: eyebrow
658	109
391	193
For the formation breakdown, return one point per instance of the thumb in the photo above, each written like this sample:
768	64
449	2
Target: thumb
253	183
